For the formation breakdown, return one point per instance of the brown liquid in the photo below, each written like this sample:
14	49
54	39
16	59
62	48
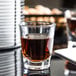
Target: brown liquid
35	49
70	66
72	26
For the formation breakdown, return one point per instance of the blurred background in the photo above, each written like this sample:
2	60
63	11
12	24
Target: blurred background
50	11
52	3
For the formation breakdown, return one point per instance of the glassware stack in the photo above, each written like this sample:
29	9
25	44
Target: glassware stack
10	53
11	63
10	18
7	23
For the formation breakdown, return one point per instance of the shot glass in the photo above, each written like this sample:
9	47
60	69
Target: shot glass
37	44
70	16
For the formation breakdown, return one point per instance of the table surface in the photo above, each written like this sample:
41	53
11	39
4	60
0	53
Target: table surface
57	68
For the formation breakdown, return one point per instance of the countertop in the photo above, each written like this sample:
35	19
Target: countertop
56	69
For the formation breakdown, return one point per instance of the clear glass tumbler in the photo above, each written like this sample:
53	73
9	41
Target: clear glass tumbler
37	44
70	16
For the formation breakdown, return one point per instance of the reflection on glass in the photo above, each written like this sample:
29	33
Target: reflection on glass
46	72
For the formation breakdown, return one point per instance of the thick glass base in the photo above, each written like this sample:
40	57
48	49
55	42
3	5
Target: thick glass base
45	72
36	65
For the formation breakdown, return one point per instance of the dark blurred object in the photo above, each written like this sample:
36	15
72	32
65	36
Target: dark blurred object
52	3
69	3
60	40
48	3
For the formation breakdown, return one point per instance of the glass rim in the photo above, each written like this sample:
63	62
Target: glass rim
70	13
39	25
